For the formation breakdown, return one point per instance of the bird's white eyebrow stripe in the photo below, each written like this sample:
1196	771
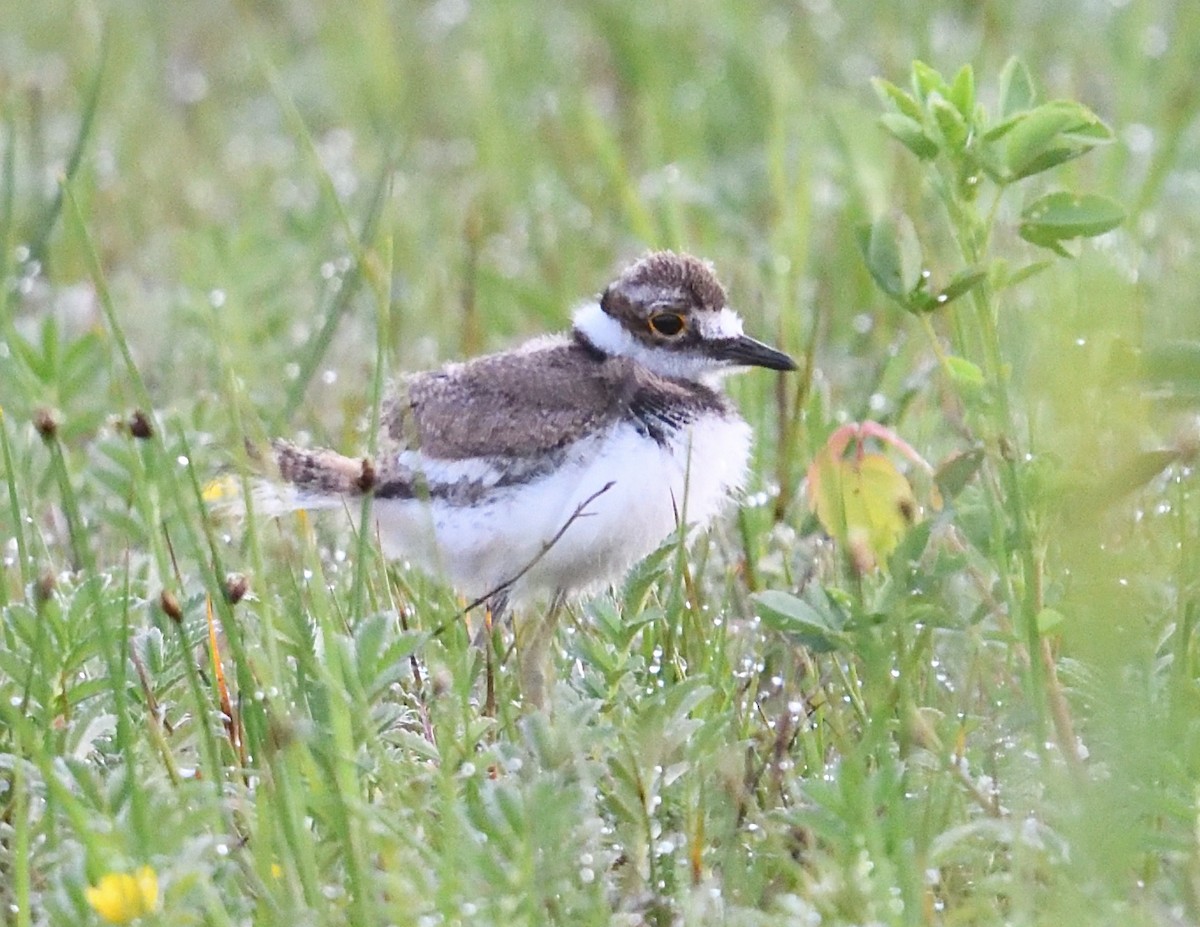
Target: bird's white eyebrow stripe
609	336
725	323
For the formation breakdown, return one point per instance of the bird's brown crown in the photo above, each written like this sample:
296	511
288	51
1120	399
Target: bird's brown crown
657	294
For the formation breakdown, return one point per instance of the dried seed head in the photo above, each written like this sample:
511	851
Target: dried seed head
43	589
47	422
236	587
170	606
140	425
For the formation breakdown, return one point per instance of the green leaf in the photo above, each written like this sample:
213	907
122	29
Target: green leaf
988	159
1058	217
927	80
889	92
893	255
1086	495
1174	360
1172	369
973	166
1017	92
1053	133
950	122
956	472
961	283
1001	129
909	133
1033	135
910	549
1021	275
963	372
1048	619
413	743
818	629
27	353
645	574
911	262
962	92
81	364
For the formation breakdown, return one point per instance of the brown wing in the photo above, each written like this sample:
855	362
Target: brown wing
517	404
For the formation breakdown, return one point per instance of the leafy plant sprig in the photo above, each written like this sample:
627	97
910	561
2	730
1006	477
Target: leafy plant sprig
944	125
973	160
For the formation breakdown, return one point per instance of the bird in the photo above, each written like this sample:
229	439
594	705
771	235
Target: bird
550	469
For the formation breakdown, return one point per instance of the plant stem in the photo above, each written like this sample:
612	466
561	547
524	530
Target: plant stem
972	232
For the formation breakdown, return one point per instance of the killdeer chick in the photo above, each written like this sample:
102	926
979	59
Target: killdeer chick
554	467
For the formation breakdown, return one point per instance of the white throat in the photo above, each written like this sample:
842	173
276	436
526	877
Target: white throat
611	337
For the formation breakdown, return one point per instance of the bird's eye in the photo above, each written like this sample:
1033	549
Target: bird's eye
667	324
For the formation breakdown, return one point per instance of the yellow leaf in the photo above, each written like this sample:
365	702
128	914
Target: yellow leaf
122	897
863	502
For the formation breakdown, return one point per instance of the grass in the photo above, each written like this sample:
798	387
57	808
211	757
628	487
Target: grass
223	222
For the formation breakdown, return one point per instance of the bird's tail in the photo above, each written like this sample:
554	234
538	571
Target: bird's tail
309	478
323	472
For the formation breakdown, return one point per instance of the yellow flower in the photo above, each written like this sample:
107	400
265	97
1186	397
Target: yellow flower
121	897
222	489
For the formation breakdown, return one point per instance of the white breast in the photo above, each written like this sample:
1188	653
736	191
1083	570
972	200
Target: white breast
478	548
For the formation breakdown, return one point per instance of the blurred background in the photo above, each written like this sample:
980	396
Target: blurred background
517	153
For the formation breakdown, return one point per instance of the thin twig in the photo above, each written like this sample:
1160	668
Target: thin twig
509	583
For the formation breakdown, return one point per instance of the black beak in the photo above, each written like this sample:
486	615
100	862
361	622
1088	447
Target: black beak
747	352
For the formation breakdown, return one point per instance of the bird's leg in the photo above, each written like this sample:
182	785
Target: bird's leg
494	612
533	653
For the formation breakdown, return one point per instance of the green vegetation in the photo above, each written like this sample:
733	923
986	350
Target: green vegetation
222	222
